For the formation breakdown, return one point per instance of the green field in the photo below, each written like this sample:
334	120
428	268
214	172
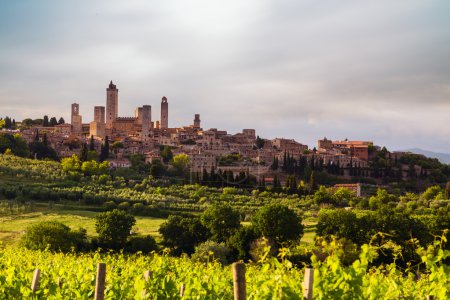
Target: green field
11	227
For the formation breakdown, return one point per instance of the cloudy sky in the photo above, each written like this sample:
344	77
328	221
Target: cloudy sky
372	70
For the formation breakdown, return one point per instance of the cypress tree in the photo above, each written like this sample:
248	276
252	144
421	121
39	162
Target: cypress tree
45	121
92	144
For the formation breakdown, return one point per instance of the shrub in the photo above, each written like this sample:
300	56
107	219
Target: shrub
110	205
124	205
210	251
145	244
53	236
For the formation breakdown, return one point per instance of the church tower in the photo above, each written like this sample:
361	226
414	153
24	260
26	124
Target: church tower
164	113
112	104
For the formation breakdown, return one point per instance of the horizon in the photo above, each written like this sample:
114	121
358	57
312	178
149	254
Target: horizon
290	69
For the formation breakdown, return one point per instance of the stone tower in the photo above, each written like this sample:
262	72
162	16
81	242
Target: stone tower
164	113
99	114
75	119
146	121
97	127
197	121
112	104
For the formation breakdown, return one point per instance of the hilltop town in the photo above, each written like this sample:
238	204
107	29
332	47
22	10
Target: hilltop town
216	150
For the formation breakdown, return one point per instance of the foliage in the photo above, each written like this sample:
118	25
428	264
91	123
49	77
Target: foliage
241	241
166	154
113	228
15	143
182	234
53	236
144	244
221	220
181	163
278	223
212	251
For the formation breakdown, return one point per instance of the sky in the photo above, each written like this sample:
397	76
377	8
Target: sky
362	70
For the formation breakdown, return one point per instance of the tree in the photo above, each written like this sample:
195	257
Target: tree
166	154
71	164
84	152
92	144
182	234
113	228
381	198
259	142
53	236
61	121
221	220
278	223
241	241
312	182
157	169
104	153
340	223
181	163
15	143
322	195
8	124
342	197
45	122
53	121
432	193
274	165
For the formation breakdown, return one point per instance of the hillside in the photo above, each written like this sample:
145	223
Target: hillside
442	157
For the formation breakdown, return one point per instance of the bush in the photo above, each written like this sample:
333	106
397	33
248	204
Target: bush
124	205
110	205
113	228
53	236
145	244
212	251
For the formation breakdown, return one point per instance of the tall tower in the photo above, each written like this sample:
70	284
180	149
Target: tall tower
197	121
75	119
99	114
112	104
164	113
146	121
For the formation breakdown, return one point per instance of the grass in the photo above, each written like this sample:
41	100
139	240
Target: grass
309	232
12	226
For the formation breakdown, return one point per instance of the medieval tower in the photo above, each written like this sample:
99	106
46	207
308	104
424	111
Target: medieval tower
164	113
197	121
75	119
146	121
112	105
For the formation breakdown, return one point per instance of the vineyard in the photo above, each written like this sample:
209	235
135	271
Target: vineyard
73	276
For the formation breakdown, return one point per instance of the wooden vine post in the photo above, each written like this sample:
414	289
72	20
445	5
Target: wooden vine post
308	284
239	281
100	282
35	282
182	288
